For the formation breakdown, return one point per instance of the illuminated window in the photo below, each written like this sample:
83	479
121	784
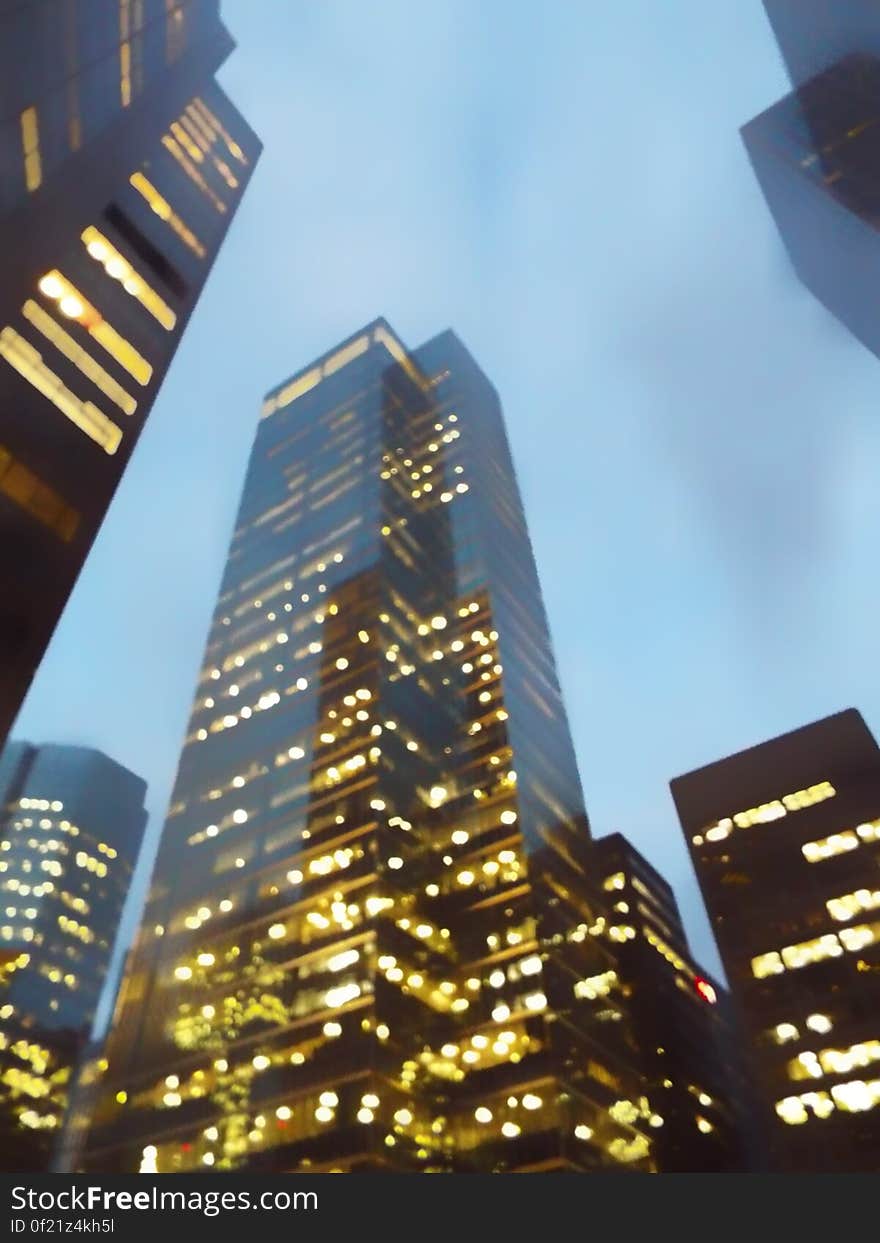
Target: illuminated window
175	31
119	269
125	73
848	905
164	211
72	304
346	355
28	362
208	116
767	964
30	143
173	146
765	813
839	843
190	139
22	486
305	383
815	950
383	337
81	358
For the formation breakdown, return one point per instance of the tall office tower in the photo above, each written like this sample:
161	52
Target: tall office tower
71	824
784	838
814	34
681	1019
816	154
371	941
121	165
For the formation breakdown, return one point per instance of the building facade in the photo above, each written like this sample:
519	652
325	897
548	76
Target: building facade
682	1021
816	154
784	839
121	166
71	825
371	941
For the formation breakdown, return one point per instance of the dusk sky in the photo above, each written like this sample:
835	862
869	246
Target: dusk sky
696	439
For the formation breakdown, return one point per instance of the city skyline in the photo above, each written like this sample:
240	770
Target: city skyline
704	622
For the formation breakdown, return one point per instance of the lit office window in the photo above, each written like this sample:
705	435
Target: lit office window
28	362
30	142
165	212
80	357
119	269
72	304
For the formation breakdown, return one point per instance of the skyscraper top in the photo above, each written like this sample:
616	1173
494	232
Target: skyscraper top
841	744
814	34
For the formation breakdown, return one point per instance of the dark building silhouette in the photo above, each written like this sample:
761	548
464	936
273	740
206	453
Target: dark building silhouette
681	1018
121	165
816	154
784	838
71	825
814	34
371	941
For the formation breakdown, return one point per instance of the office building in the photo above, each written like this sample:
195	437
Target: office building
812	35
71	824
784	839
816	154
681	1019
371	941
122	164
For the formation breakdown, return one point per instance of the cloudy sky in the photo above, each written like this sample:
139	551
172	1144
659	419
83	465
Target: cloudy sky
696	439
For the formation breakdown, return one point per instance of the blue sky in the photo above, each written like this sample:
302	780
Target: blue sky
696	439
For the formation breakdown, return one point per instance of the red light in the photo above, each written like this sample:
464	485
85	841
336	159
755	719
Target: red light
705	989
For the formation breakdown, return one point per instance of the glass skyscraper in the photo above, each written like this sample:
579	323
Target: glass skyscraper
784	839
816	154
122	164
373	939
71	825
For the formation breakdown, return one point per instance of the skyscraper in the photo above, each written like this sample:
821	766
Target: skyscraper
784	838
71	825
816	154
815	34
681	1019
372	940
121	165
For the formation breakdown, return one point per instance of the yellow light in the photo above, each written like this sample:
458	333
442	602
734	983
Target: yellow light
51	286
71	306
483	1115
122	1097
277	931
